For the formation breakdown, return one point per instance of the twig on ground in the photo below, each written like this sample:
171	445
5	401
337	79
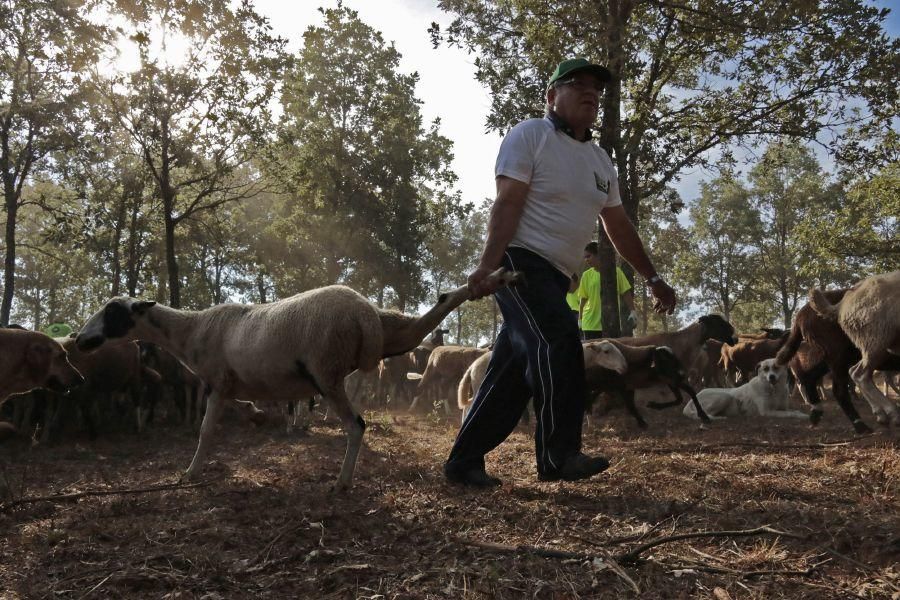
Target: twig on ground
90	591
632	556
56	497
711	447
551	553
742	574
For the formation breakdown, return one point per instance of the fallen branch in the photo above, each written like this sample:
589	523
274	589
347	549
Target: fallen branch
766	445
631	557
742	574
57	497
608	561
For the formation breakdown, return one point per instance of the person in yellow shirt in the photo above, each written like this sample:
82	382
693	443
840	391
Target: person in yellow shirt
590	315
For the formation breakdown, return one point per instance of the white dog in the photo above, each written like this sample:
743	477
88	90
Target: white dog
766	395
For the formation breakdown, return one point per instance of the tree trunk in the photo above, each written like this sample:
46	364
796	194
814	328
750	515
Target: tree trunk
9	264
133	267
171	259
611	140
117	245
261	286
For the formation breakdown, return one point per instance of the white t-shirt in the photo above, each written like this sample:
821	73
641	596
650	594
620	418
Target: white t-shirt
570	183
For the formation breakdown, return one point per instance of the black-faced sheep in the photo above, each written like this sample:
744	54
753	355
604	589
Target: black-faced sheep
284	350
688	343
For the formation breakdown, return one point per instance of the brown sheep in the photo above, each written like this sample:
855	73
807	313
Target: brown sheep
828	340
743	357
29	360
869	314
446	366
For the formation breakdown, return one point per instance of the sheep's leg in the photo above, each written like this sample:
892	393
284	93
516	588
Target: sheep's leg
214	404
884	410
289	412
628	398
354	426
701	414
840	387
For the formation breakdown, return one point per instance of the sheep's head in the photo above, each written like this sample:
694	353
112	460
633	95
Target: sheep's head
113	321
717	328
604	354
667	365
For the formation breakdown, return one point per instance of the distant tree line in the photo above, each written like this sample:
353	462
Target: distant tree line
219	167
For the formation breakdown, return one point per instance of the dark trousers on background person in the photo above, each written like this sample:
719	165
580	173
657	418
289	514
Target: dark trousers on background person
591	335
537	355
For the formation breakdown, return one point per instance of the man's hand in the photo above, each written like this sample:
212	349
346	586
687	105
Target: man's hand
481	284
664	297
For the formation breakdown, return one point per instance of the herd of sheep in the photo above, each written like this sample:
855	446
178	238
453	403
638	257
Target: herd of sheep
335	344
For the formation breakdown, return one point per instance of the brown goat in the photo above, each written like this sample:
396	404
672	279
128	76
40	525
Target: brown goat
837	352
743	357
29	360
869	314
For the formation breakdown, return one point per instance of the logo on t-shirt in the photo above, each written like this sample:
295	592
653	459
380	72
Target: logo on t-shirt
602	184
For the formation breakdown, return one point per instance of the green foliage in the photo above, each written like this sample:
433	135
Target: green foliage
859	233
722	245
44	47
690	76
196	125
370	184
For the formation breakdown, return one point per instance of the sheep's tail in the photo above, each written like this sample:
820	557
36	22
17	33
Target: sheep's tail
821	305
463	398
790	345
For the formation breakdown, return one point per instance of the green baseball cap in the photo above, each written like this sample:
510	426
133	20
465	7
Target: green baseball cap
573	65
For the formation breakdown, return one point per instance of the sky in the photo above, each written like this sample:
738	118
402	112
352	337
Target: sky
447	83
446	86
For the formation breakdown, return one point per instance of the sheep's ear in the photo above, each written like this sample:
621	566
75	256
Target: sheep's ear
141	306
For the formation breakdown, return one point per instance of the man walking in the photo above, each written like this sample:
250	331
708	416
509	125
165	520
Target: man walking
552	182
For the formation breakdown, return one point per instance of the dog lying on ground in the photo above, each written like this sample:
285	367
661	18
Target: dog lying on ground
766	395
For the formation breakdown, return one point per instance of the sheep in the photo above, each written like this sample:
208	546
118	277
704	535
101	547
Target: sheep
423	351
178	383
471	381
648	366
707	368
446	366
113	369
288	349
392	381
744	356
768	333
29	360
597	354
687	343
869	314
827	340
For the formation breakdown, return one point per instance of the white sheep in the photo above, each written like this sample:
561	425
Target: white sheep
597	355
292	348
869	314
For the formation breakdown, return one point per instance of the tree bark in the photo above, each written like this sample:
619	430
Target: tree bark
9	263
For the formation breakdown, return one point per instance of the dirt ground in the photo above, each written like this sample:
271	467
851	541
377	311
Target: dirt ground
263	522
